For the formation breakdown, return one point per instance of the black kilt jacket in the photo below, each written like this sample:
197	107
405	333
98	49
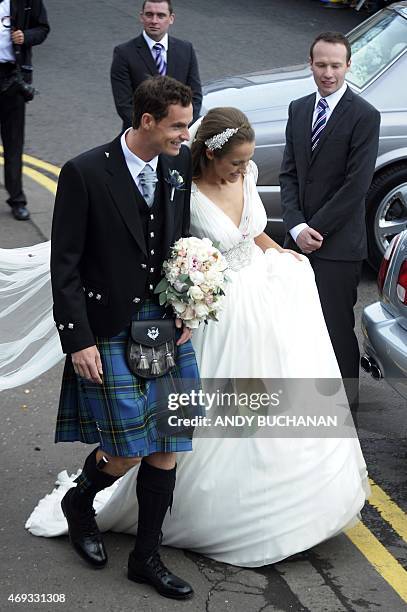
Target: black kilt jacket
100	254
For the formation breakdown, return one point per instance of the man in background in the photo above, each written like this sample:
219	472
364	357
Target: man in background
332	138
22	25
151	53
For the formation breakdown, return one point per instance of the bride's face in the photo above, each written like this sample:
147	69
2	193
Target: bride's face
232	166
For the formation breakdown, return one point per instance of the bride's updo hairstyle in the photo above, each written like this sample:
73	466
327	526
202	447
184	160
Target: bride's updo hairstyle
232	128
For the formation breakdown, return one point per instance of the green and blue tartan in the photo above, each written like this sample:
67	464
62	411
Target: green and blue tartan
124	415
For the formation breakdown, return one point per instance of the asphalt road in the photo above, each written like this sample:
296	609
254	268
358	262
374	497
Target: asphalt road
73	112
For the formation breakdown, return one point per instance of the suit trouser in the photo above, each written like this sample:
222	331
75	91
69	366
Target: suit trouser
12	119
337	283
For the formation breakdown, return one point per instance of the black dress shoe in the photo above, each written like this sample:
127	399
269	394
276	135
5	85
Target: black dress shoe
84	533
154	572
20	212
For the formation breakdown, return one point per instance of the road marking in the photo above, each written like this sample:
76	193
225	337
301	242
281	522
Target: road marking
389	510
38	163
38	177
384	563
361	537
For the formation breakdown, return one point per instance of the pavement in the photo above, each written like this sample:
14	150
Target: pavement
73	112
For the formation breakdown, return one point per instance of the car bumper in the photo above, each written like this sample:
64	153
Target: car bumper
385	341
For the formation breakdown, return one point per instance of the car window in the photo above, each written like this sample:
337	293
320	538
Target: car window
375	45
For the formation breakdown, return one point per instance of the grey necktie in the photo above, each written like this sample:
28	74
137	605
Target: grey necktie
148	180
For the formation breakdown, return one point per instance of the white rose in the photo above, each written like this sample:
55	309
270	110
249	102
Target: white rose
195	293
201	310
197	277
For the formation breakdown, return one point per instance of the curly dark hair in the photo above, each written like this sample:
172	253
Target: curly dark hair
156	94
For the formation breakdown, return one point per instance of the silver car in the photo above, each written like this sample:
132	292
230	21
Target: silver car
384	323
378	73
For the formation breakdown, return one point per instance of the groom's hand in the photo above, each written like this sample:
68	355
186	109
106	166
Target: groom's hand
88	365
186	332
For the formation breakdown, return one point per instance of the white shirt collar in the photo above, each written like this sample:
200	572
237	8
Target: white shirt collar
332	99
134	163
151	42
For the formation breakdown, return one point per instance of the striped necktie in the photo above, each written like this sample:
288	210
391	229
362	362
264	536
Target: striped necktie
159	59
320	122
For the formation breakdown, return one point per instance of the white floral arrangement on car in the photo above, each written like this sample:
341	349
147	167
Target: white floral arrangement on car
194	281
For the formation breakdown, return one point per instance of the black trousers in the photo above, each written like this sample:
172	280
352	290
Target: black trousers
337	283
12	120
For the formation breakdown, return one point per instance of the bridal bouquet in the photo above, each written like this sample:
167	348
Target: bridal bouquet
194	279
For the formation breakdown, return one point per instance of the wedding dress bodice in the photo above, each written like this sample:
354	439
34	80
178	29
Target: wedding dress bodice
208	220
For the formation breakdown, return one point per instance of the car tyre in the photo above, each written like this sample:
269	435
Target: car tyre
386	204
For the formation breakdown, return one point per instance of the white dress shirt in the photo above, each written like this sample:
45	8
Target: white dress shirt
134	163
6	46
151	43
332	102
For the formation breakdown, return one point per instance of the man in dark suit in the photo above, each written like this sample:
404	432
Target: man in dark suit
152	53
331	147
116	217
22	24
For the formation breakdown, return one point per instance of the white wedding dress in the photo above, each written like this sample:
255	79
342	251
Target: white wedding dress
248	501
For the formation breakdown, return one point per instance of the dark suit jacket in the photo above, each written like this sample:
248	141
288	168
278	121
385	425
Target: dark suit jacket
98	243
31	18
327	188
133	63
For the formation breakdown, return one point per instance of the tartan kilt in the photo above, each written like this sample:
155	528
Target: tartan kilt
124	415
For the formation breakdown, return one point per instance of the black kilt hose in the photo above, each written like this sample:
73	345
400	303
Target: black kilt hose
123	415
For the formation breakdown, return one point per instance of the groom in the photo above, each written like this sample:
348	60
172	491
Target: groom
115	220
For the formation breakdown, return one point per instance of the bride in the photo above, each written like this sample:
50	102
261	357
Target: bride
258	499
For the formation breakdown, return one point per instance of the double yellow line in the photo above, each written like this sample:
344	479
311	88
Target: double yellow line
371	548
374	551
39	177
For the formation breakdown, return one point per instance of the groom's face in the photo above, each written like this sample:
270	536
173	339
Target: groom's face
166	136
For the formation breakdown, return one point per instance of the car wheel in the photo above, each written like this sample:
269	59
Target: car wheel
386	215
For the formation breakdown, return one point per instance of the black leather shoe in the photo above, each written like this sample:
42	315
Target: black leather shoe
20	212
154	572
84	533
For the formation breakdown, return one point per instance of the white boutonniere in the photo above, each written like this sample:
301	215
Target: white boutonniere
176	182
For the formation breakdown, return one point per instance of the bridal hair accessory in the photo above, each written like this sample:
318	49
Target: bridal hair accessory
194	281
219	140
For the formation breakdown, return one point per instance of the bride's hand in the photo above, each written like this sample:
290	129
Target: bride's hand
186	332
296	255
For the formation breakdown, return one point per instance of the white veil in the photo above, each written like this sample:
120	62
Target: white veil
29	341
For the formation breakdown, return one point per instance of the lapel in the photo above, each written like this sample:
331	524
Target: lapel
145	54
167	206
342	106
171	52
309	110
124	191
